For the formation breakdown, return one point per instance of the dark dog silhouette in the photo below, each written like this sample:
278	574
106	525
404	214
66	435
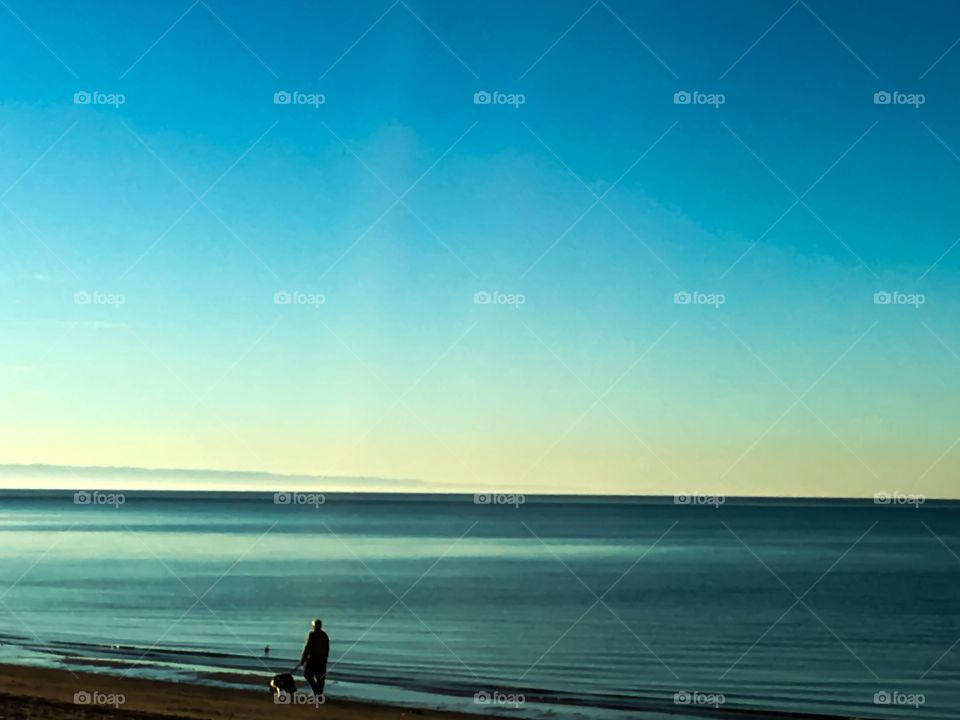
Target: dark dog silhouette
283	684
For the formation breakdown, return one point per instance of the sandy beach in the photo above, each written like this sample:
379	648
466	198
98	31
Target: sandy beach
28	693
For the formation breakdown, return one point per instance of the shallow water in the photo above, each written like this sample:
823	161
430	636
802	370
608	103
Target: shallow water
584	607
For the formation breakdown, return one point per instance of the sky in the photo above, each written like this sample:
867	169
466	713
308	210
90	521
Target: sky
389	277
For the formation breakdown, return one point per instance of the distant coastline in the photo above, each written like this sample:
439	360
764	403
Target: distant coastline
259	494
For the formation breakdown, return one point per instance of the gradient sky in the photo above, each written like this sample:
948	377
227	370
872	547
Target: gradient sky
598	382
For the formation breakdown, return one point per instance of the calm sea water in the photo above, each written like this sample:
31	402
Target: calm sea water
589	608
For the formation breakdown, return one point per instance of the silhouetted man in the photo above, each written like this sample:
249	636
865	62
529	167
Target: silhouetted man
316	650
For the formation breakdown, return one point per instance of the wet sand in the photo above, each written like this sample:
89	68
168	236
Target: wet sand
44	694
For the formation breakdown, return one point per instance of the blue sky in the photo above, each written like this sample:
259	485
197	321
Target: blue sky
184	210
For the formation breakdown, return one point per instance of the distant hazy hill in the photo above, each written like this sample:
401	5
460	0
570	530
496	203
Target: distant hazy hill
133	478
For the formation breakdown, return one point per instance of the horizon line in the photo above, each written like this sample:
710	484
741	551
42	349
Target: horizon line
434	488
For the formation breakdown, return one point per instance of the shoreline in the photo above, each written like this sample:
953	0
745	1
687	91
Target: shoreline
46	693
40	693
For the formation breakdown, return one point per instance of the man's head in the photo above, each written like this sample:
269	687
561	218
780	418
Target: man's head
317	624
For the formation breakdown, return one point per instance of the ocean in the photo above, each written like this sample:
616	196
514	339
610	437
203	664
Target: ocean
526	607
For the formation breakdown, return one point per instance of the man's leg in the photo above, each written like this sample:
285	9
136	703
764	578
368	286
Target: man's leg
310	675
321	679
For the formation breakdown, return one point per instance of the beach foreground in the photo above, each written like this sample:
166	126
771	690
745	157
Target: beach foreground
28	693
